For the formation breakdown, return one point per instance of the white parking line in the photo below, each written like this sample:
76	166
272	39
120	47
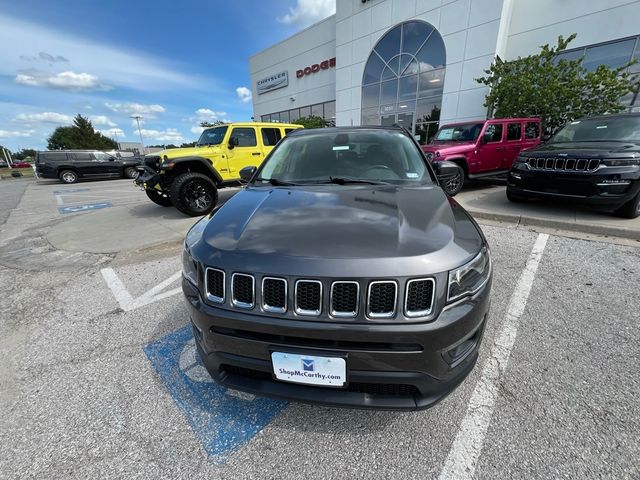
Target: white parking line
463	457
126	300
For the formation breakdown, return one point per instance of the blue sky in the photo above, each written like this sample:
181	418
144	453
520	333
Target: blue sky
174	63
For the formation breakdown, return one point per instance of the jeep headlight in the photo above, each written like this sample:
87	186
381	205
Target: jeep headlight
189	267
470	277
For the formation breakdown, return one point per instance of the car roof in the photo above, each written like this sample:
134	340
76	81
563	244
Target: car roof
612	115
257	124
506	119
71	150
330	130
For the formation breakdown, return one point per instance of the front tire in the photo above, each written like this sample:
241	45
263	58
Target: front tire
194	194
631	209
68	176
453	185
130	172
156	197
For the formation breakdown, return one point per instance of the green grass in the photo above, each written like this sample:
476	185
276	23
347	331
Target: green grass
6	172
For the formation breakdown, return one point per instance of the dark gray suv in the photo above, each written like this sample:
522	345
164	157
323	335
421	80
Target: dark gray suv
342	274
70	166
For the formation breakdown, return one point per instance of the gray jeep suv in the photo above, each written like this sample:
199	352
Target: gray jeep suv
341	274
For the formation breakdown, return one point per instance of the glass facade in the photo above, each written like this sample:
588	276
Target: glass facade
403	79
613	54
326	110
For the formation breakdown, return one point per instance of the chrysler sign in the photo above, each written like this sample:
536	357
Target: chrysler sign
272	82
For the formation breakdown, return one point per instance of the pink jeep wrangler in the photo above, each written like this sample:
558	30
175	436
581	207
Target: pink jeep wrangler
482	148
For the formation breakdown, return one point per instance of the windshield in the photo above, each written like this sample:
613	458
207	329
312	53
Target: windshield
613	129
212	136
466	132
365	156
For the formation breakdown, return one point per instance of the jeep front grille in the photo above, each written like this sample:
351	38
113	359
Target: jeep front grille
419	297
345	299
215	285
274	294
308	297
564	164
381	300
243	290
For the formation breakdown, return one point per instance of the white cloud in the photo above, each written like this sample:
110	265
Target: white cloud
169	135
101	120
206	114
64	80
111	64
113	132
45	117
131	108
307	12
15	133
197	129
244	94
134	122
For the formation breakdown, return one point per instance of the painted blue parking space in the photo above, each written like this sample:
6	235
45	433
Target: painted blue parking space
70	190
84	208
223	420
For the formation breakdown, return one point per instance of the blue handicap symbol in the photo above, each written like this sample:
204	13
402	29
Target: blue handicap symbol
70	190
223	419
84	208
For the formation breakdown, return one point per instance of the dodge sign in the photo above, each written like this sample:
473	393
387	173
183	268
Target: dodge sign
272	82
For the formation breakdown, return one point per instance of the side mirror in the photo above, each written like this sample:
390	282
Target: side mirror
247	172
233	142
112	159
445	170
484	139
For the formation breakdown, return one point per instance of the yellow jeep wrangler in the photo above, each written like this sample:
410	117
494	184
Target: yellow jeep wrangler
189	178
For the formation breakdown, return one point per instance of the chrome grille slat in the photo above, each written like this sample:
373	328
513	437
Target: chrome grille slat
381	299
243	291
564	164
215	285
308	297
419	297
274	294
345	297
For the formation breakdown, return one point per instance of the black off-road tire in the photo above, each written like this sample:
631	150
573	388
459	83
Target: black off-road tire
515	198
68	176
157	197
631	209
194	194
130	172
453	185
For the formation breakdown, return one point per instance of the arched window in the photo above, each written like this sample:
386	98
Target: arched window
403	79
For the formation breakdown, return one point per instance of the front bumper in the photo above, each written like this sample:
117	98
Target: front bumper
408	366
605	186
147	177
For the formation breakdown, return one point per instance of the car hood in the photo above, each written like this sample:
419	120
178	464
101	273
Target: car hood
187	152
448	148
586	149
343	222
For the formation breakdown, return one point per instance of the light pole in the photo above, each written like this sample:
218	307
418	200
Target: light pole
137	118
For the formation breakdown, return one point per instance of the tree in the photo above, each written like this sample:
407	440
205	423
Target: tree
558	91
215	123
25	153
311	121
80	135
187	145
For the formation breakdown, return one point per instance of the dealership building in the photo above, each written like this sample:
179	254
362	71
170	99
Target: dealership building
414	62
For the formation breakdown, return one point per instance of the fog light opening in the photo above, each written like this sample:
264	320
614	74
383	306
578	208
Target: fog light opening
461	351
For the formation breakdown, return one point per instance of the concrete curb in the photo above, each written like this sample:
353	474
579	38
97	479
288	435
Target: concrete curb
522	220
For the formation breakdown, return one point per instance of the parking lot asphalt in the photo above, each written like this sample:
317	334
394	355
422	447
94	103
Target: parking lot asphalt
99	378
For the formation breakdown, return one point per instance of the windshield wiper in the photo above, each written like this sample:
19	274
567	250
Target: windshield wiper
275	182
346	180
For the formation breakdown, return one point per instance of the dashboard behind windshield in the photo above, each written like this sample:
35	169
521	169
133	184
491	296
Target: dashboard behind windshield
458	133
212	136
614	129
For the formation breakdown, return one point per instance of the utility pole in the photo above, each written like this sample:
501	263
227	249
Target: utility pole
117	142
137	118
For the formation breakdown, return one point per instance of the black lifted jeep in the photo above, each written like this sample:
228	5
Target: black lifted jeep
189	178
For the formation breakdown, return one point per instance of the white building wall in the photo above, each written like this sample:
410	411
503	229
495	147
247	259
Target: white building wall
310	46
469	29
534	23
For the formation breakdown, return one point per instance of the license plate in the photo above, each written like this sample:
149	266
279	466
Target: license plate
309	369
